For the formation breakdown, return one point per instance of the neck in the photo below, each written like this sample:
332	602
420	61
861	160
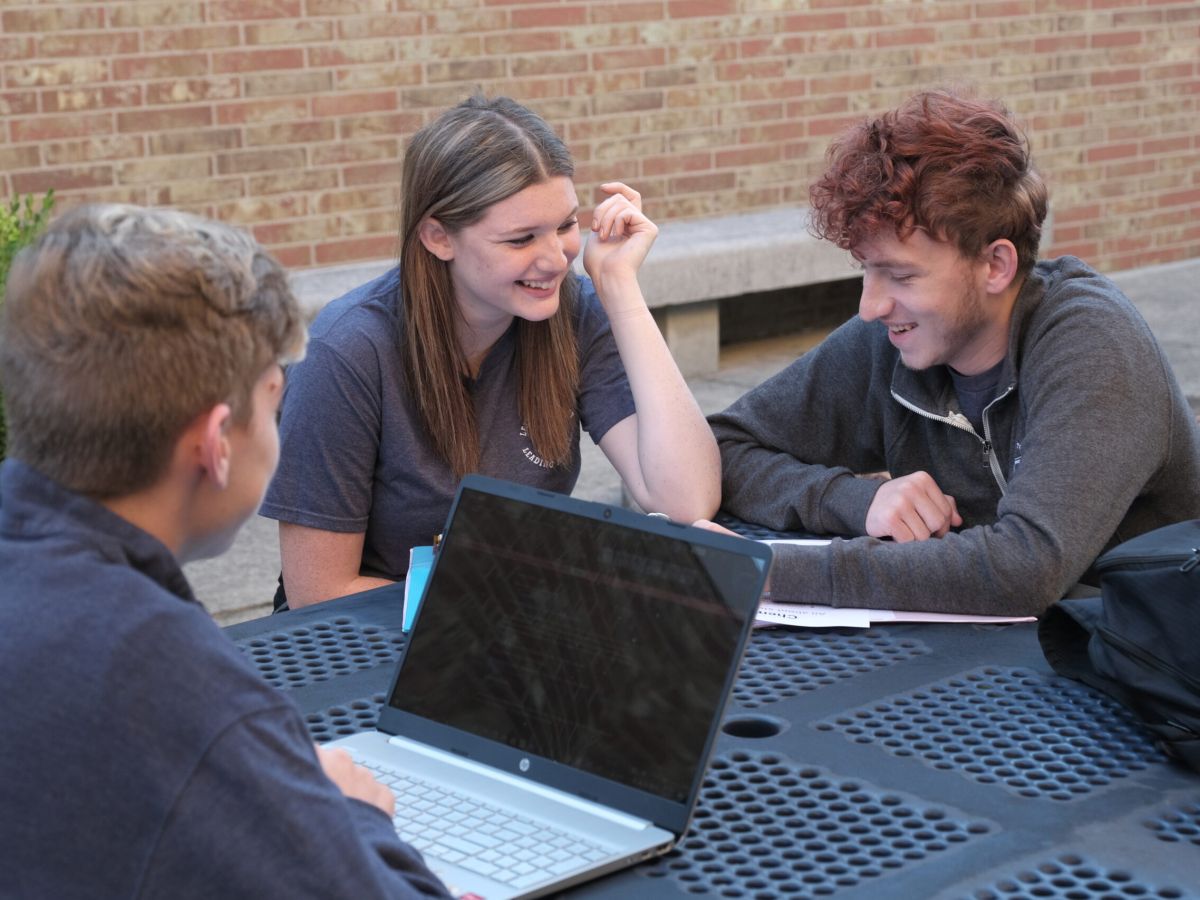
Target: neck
476	340
154	511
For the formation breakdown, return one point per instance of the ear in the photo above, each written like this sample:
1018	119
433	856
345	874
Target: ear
436	239
214	450
1001	258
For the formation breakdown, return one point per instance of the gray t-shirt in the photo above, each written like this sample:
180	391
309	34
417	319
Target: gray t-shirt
355	456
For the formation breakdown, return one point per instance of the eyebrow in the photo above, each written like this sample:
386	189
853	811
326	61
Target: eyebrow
525	229
893	264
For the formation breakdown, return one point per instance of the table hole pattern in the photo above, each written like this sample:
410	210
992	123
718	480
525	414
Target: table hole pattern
779	665
1011	728
321	650
345	718
765	829
1179	826
1070	877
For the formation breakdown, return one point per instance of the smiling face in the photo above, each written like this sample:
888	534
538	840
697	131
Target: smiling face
934	302
513	261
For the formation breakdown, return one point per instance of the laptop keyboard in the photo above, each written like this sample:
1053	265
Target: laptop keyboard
462	830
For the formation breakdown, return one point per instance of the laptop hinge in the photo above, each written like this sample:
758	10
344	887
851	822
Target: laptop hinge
615	816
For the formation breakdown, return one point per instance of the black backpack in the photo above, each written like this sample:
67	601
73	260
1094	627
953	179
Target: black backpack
1139	641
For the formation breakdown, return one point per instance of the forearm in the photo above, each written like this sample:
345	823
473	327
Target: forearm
310	593
677	469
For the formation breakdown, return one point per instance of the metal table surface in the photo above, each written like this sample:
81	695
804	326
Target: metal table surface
918	760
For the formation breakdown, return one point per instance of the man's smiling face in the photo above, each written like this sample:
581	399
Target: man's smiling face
933	301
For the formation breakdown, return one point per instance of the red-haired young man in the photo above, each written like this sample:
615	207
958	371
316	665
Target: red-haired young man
1022	412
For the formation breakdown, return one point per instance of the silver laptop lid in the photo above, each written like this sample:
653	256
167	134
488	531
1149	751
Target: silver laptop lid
578	645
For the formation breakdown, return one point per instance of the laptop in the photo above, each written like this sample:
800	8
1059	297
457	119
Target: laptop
562	688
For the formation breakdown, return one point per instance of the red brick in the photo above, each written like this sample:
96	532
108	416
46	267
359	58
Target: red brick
1116	39
522	42
59	18
275	84
904	37
602	13
50	128
1177	198
306	132
371	173
1112	151
284	182
103	147
257	111
297	31
549	16
202	37
377	247
637	58
192	90
1115	76
344	152
208	140
683	9
18	103
241	10
174	65
147	14
750	156
293	257
392	24
165	119
354	104
258	60
62	180
1166	145
44	74
76	46
26	157
260	160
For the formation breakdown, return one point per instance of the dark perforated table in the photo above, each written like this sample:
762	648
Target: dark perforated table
903	761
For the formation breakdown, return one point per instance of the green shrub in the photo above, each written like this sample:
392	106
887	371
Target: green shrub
20	224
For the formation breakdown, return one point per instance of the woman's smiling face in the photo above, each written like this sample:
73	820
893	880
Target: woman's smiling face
513	261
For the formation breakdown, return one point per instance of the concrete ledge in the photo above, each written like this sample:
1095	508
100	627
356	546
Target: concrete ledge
693	265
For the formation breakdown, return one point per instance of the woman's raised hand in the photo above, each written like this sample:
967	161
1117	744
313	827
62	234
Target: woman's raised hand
621	236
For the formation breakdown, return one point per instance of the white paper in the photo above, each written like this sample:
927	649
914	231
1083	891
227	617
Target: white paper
804	615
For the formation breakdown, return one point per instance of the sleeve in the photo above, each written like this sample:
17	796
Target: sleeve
329	435
604	394
1097	401
790	447
259	818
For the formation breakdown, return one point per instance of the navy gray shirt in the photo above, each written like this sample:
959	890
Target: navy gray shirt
355	455
141	755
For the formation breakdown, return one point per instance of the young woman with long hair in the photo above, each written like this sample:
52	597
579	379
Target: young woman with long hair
483	352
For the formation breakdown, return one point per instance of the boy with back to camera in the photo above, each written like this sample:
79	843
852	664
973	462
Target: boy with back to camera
140	754
1024	415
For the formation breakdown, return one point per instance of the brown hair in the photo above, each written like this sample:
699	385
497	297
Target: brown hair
121	325
469	158
951	165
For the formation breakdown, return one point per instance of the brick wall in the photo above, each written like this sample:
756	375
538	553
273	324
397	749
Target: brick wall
289	116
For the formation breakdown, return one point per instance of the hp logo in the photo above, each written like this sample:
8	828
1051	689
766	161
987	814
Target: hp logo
523	765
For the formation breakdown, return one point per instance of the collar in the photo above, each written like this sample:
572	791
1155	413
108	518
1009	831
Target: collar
34	507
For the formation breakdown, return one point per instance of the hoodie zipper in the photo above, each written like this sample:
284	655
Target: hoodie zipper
962	423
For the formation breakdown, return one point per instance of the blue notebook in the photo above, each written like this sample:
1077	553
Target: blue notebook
420	561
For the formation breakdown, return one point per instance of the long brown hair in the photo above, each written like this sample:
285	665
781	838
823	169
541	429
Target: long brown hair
469	158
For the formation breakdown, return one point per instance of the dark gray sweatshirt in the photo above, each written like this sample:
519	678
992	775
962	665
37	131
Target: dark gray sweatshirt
1089	442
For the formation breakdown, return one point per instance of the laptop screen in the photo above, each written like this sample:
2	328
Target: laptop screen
599	646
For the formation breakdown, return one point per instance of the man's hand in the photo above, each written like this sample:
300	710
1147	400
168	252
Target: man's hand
911	508
354	781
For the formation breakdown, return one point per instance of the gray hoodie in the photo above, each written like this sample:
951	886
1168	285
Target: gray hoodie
1089	442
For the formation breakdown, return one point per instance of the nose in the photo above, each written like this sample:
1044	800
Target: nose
874	302
556	253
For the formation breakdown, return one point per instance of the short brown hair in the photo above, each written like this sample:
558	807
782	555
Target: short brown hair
120	326
953	166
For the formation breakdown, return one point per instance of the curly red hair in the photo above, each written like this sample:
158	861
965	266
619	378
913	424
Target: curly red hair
954	166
